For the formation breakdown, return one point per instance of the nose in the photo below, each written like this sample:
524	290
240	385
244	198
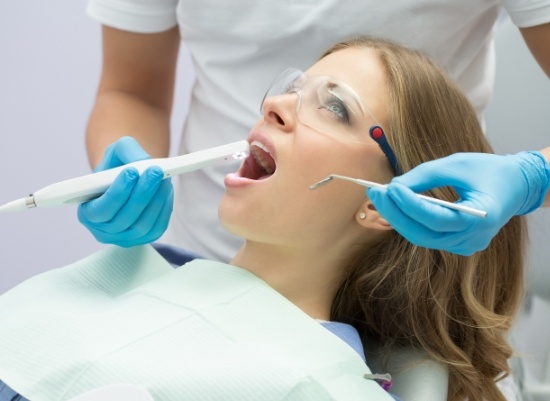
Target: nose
281	110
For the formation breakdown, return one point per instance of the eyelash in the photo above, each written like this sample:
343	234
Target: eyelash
288	87
333	100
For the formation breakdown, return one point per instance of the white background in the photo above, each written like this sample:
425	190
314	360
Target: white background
50	62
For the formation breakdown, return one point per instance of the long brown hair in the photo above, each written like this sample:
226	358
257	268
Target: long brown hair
458	309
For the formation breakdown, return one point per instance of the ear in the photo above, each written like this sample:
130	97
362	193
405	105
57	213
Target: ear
368	217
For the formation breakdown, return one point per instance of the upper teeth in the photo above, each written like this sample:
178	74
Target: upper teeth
260	145
263	160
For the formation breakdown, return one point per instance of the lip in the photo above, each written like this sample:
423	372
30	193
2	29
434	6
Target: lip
235	180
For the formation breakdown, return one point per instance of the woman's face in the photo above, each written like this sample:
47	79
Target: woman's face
268	200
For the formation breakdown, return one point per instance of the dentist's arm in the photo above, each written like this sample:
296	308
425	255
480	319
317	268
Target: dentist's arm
129	122
537	39
135	92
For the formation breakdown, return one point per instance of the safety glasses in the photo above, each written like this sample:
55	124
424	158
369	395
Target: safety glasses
330	107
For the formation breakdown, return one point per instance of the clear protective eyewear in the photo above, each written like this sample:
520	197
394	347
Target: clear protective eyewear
330	107
324	104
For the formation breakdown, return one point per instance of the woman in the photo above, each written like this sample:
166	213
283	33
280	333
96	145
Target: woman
328	251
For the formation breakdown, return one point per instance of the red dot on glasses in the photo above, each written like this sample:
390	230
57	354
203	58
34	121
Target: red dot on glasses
377	133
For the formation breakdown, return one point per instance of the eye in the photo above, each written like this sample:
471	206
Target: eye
337	108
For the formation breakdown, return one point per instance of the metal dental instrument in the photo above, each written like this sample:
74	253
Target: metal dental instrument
450	205
86	187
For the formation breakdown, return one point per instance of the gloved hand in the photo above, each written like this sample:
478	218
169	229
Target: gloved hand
135	210
503	186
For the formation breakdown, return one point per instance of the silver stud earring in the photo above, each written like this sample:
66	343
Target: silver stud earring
362	216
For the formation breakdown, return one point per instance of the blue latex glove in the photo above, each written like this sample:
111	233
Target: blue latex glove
135	210
503	186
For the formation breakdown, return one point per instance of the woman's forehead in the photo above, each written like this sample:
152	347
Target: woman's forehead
359	68
350	63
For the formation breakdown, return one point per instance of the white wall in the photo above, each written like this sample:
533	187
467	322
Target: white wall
49	67
49	64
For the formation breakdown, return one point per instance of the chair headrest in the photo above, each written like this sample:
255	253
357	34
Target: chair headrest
416	376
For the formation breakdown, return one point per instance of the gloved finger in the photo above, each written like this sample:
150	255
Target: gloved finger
484	200
467	243
442	172
147	228
143	194
152	222
433	216
105	208
414	231
417	233
142	232
123	151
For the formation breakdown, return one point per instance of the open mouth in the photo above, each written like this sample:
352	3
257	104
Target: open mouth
260	164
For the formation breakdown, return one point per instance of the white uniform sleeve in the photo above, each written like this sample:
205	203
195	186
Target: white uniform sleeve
142	16
526	13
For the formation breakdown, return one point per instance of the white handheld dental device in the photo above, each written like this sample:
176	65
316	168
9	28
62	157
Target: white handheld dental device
450	205
86	187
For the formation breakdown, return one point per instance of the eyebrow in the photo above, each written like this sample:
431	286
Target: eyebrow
348	89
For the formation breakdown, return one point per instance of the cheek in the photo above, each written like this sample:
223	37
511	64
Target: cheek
364	161
336	201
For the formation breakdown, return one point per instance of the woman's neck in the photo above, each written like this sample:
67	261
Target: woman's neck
304	278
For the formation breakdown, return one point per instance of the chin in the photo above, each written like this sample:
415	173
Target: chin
232	215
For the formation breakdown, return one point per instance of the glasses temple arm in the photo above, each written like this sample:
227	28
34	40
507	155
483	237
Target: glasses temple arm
377	134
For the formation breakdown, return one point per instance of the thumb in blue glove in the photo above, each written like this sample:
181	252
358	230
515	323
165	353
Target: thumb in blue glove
135	210
504	186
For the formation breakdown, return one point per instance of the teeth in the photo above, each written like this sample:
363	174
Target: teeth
263	158
264	163
260	145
